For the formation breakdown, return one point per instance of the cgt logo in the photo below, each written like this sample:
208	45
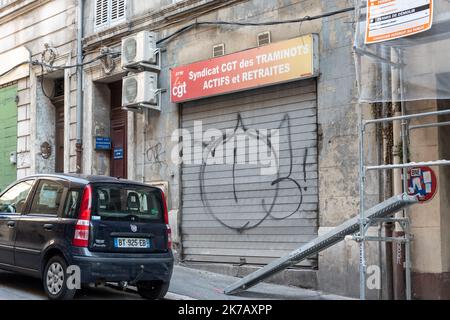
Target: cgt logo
179	90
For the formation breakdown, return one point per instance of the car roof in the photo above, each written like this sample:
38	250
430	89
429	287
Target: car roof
86	179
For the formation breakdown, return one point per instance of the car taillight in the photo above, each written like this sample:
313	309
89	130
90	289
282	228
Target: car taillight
81	236
166	213
166	221
169	238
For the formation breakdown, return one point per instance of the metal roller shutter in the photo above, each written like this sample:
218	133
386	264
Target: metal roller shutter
224	218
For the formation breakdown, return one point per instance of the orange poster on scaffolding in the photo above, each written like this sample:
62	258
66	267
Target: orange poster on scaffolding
393	19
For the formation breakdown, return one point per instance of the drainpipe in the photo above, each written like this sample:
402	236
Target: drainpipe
144	140
80	96
380	87
384	151
398	250
386	132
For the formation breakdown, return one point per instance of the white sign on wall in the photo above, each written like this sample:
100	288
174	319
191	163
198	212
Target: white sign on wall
393	19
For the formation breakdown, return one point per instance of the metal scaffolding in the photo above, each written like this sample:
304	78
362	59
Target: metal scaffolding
358	227
365	221
396	62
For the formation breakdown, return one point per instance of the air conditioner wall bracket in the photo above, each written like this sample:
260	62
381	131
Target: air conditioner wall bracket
143	66
140	107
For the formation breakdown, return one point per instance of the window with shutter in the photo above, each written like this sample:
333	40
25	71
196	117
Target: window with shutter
109	12
117	10
101	12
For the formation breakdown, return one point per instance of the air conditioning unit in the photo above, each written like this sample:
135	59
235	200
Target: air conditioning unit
139	51
141	91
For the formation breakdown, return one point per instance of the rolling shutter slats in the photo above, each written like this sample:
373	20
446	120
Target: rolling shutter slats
204	238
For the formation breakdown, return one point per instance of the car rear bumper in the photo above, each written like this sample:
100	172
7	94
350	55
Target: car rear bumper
109	268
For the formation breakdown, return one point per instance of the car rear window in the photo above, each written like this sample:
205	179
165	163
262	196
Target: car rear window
127	203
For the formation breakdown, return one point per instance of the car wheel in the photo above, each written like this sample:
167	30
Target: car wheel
152	290
55	280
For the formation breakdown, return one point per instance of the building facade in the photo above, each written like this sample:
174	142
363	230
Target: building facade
225	218
35	106
317	143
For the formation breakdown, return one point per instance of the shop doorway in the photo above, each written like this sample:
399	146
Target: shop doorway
119	133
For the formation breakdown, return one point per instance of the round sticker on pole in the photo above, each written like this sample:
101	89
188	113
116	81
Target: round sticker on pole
422	182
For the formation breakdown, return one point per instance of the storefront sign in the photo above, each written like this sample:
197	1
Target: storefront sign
103	143
272	64
422	182
393	19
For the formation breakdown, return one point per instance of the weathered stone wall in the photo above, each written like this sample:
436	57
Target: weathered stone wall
31	24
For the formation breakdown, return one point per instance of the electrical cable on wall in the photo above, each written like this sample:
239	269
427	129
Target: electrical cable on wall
54	68
187	28
251	24
175	34
113	54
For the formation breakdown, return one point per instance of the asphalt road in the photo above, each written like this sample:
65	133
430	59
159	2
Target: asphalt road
186	284
19	287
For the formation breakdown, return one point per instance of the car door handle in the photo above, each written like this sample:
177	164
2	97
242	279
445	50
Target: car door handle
11	224
48	227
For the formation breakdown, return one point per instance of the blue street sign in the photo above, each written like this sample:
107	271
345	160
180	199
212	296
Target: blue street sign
103	143
118	154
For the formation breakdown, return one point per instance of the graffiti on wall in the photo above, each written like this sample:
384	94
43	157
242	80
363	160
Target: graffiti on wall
267	207
156	154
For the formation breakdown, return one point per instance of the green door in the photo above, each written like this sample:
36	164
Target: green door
8	135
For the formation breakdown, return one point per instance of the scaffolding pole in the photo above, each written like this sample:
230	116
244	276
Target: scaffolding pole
405	136
362	218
